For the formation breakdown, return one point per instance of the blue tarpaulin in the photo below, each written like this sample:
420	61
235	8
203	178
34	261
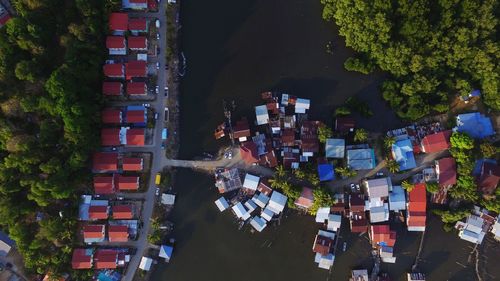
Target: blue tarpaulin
325	172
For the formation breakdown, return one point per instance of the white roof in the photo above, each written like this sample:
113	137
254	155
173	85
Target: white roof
240	211
496	230
325	262
261	200
334	222
378	187
250	205
167	199
277	202
258	223
222	204
335	148
267	214
379	214
326	233
145	263
474	224
301	105
261	114
251	182
322	214
471	236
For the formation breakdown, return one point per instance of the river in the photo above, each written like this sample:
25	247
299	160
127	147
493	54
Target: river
235	50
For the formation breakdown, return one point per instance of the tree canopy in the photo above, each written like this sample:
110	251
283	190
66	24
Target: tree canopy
431	49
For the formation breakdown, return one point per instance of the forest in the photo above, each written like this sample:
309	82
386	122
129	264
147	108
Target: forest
51	56
433	51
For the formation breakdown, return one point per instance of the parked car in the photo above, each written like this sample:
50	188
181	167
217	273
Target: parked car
157	23
166	91
156	116
157	90
157	36
157	191
157	65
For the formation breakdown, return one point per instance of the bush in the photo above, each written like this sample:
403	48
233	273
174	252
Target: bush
356	64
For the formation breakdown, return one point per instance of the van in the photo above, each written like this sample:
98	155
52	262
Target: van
158	179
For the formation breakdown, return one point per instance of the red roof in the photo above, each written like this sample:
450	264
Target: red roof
359	225
113	70
137	42
105	258
118	21
264	187
118	233
104	185
382	235
269	159
122	212
91	231
241	129
248	151
127	182
105	161
112	88
136	88
115	42
490	176
447	171
110	136
322	245
344	124
82	259
135	68
306	198
132	164
436	142
137	24
98	212
111	116
356	202
135	116
135	136
417	201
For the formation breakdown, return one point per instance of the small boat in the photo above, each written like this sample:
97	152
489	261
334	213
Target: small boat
344	246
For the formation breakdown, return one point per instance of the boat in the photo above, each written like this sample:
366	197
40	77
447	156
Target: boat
344	246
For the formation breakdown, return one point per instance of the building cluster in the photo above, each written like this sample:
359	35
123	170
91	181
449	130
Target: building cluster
325	242
477	225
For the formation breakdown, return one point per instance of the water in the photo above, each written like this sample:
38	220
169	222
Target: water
235	50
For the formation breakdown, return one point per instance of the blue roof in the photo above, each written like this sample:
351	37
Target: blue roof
164	134
479	164
475	93
402	151
325	172
475	125
361	159
335	148
166	251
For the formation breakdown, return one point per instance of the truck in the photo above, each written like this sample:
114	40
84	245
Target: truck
158	179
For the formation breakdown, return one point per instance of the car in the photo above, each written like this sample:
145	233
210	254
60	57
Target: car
166	91
157	191
162	145
157	36
156	116
353	186
119	198
157	89
157	23
379	174
157	65
358	188
113	148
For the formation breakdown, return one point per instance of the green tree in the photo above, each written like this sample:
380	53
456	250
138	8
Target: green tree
461	141
392	165
324	133
359	65
488	150
360	135
322	198
389	141
465	189
342	111
406	185
345	172
432	187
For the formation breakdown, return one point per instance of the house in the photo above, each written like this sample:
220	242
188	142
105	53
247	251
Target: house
382	235
248	152
262	115
137	88
221	204
93	233
138	43
114	70
104	185
6	244
306	199
135	68
132	164
111	116
258	223
357	218
386	254
122	212
137	25
241	130
82	259
378	188
261	200
136	115
97	212
309	142
127	182
112	88
264	187
322	214
118	233
473	230
267	214
301	105
378	192
110	137
339	207
251	183
268	159
250	205
228	180
168	199
402	152
166	252
324	241
489	178
277	202
379	211
325	172
475	124
146	263
435	142
240	212
335	148
105	161
116	45
446	173
417	204
397	199
118	22
334	222
359	275
105	259
361	159
345	124
135	5
135	137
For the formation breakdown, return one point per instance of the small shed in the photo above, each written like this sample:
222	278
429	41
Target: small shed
335	148
325	172
267	214
277	202
166	252
250	205
258	223
222	204
146	263
322	214
261	115
251	182
168	199
261	200
240	211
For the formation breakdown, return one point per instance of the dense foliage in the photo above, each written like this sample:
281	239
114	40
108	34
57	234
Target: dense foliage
50	71
432	49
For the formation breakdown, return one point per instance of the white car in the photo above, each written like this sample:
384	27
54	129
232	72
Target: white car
157	191
157	36
156	116
157	89
157	23
157	65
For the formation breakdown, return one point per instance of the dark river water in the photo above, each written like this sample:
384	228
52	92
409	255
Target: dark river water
235	50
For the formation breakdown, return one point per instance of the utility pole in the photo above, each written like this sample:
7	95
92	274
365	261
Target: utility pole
227	114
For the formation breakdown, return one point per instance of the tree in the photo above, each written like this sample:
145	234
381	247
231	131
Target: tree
324	133
450	217
406	185
392	165
359	65
322	198
461	141
342	111
389	141
432	187
360	135
488	150
345	172
465	189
